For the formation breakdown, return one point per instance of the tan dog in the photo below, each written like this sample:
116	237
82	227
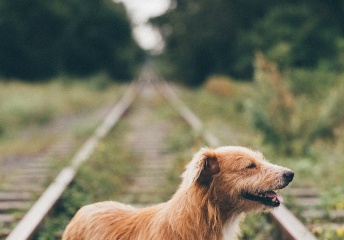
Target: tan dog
218	187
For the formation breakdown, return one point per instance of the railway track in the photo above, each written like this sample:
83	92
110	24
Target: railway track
148	143
22	177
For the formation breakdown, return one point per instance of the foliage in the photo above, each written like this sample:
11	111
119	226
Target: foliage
293	121
39	39
207	37
295	34
273	105
313	84
259	227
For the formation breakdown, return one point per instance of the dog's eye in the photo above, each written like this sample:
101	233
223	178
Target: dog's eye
252	165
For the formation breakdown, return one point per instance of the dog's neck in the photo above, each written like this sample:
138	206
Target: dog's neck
200	216
231	228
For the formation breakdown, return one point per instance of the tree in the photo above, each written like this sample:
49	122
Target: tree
206	37
41	38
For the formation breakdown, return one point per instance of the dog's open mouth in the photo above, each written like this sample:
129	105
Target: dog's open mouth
270	198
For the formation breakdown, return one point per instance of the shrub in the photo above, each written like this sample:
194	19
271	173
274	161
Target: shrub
273	105
330	116
292	120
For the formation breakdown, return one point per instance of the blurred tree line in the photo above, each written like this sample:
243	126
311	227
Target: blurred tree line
39	39
206	37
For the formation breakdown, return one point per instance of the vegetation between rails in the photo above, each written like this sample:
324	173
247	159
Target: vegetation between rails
105	176
114	164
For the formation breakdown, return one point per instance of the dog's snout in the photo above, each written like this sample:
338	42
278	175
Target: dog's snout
288	175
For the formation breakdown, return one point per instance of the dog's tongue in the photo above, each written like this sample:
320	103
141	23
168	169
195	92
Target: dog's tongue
272	194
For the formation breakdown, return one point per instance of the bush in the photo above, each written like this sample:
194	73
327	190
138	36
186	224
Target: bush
273	105
311	83
330	116
292	121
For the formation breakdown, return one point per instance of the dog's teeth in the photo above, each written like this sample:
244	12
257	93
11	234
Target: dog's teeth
274	199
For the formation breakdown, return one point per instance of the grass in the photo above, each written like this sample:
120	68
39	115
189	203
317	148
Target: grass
25	108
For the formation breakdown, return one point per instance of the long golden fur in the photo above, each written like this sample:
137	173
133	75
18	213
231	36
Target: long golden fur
219	186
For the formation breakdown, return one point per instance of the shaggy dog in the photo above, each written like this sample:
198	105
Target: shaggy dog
219	186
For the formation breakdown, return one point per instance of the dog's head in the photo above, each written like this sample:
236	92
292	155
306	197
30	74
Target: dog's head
237	178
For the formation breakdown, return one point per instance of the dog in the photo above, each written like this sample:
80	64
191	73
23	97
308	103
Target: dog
218	187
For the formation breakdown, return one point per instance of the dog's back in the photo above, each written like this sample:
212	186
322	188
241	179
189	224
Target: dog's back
108	216
111	220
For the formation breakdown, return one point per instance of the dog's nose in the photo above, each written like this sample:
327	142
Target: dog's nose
288	175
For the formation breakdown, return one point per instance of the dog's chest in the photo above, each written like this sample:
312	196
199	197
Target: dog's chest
231	228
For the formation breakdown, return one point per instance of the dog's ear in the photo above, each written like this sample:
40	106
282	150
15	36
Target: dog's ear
210	168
